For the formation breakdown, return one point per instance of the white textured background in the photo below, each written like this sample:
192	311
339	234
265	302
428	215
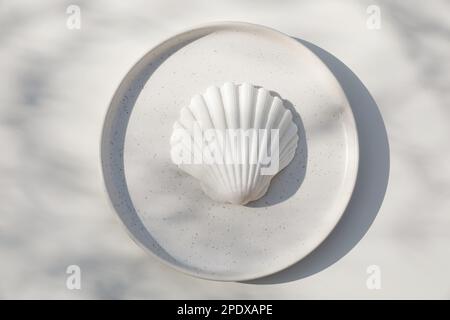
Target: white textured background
56	86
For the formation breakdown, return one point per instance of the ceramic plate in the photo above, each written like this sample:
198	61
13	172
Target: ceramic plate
165	210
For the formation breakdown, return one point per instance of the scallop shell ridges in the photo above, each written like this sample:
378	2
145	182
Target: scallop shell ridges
234	139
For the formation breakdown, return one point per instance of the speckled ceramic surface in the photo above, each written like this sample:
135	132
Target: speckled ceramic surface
165	210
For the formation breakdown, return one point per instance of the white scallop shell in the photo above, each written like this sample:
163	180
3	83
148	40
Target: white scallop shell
227	139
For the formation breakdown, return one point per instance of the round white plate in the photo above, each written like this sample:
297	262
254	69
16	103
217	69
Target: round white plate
166	211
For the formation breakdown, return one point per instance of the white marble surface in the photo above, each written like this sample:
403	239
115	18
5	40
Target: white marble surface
56	86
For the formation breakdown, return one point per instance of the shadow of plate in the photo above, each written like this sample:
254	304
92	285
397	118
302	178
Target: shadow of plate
371	184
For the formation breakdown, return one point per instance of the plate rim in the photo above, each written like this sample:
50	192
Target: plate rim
345	198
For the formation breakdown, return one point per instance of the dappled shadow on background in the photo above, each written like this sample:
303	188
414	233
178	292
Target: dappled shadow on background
371	184
424	37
